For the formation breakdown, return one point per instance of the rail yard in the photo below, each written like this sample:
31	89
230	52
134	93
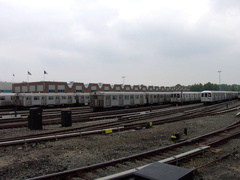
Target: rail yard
100	144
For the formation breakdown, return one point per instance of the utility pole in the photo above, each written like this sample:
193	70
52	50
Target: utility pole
123	80
219	80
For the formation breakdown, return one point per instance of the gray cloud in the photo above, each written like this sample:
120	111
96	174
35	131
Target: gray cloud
94	42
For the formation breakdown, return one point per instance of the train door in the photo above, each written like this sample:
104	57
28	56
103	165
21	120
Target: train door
141	99
43	100
28	101
150	99
69	100
99	101
57	100
86	100
120	100
18	100
108	100
131	99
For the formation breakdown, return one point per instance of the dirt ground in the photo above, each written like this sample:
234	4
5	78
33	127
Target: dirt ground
36	159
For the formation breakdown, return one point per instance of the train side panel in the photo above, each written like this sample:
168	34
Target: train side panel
208	97
7	99
116	99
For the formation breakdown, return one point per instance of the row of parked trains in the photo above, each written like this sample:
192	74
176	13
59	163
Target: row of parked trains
101	100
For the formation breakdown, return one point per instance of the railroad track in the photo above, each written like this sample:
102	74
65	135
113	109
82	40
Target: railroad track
169	154
126	123
26	112
77	116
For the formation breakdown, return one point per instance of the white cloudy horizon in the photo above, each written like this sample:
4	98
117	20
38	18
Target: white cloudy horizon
156	42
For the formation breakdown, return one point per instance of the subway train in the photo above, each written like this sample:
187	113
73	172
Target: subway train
113	99
7	99
125	99
106	100
185	97
43	99
208	97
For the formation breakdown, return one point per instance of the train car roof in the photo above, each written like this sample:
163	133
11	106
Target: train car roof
46	94
7	94
186	92
159	92
209	91
115	93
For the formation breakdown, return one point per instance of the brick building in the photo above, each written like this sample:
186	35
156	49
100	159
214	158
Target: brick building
75	87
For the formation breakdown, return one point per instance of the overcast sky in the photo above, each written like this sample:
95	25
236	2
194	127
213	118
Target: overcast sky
150	42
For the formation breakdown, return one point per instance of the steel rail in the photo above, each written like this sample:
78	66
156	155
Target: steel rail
78	171
83	118
127	124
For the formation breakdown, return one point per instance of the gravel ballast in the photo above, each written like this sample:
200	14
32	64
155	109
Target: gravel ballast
36	159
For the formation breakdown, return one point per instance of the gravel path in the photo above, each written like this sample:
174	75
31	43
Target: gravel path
35	159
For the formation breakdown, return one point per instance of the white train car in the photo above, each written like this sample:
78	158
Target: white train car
83	98
208	97
7	99
101	100
45	99
158	97
185	97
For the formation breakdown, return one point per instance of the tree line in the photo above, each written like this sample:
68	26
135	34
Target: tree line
210	86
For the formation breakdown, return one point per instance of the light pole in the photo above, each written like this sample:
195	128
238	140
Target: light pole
219	80
123	79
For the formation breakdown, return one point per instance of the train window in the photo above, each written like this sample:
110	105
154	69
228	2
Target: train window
126	97
209	94
137	96
69	97
2	98
86	97
120	97
154	96
178	95
114	97
131	97
141	96
63	97
36	98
